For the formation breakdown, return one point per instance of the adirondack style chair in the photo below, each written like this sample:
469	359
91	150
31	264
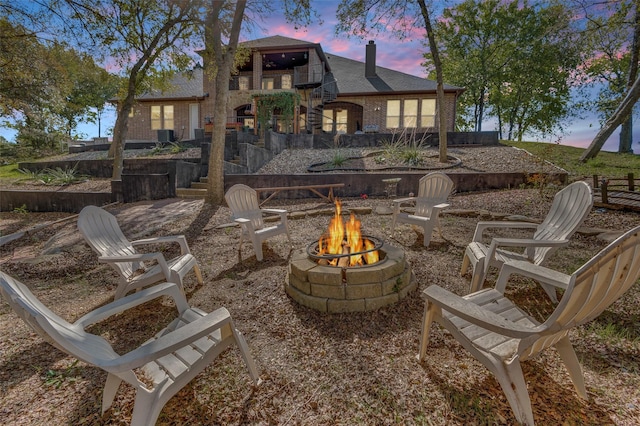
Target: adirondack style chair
569	209
171	359
501	335
101	231
245	210
433	191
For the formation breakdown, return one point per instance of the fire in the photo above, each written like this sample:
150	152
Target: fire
345	238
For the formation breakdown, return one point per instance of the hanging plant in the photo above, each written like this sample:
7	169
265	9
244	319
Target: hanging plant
284	102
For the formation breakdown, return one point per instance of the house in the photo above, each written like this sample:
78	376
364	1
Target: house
337	95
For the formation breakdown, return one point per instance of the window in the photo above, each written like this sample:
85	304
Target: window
393	114
410	116
341	121
243	83
286	81
161	117
267	83
428	113
327	120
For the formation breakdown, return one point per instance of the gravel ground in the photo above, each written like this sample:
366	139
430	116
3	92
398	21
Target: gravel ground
496	159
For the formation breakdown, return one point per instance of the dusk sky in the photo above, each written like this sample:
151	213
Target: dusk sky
405	56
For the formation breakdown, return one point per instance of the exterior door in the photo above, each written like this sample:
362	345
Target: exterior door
194	119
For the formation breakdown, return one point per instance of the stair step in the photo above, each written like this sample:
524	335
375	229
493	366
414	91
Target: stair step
198	185
191	193
204	179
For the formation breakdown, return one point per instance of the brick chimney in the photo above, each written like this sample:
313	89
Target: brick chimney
370	60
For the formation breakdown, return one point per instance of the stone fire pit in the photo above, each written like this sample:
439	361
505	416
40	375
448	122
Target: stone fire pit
350	289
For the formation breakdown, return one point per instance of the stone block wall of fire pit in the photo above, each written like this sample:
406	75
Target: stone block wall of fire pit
353	289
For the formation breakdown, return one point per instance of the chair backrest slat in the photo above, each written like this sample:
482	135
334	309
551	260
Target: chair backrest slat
243	202
102	232
434	188
599	282
570	207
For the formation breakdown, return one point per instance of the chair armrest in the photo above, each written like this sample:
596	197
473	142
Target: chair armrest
536	272
482	226
530	244
139	257
276	211
165	289
281	212
403	200
245	223
169	342
475	314
180	239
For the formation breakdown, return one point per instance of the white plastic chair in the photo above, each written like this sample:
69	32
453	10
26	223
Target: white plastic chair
433	191
569	209
171	359
101	231
501	335
243	202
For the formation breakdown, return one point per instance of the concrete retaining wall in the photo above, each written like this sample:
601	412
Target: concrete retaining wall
371	184
40	201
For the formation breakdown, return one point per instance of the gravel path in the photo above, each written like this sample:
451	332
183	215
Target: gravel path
496	159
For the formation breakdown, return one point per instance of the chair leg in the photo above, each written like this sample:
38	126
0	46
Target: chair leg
465	264
570	359
477	277
514	387
429	314
196	269
257	247
427	230
246	355
110	389
146	408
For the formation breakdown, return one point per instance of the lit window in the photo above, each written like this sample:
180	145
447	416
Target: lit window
243	83
267	83
341	121
327	120
161	117
428	113
410	116
286	81
156	117
393	114
168	117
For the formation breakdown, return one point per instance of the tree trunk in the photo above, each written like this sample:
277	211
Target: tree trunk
626	132
619	115
442	109
224	57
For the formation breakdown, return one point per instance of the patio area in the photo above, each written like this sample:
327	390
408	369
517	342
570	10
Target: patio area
316	368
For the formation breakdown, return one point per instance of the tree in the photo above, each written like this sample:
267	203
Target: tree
224	21
359	17
433	47
618	116
149	41
219	60
89	86
612	36
515	60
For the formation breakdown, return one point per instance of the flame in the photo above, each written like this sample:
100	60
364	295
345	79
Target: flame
354	240
336	232
372	256
346	238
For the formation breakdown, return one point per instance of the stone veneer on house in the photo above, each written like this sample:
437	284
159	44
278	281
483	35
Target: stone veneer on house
356	289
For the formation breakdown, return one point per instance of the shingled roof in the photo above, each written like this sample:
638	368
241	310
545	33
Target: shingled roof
349	74
183	86
351	79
